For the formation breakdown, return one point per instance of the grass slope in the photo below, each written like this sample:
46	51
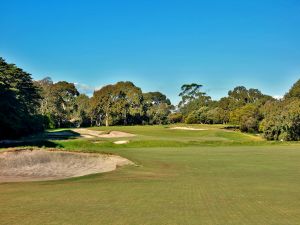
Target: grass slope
183	184
162	136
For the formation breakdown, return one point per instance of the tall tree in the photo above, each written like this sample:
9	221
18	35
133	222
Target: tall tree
129	103
190	92
58	102
121	103
241	96
19	100
158	107
192	98
81	115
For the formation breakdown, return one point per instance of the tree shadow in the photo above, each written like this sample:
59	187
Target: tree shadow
60	135
45	139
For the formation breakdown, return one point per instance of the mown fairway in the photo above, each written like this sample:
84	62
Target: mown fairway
181	177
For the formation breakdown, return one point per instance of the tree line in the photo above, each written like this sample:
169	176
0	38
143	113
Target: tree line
246	109
28	106
117	104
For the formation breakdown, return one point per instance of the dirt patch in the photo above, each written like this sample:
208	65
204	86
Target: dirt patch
86	133
186	128
121	142
37	165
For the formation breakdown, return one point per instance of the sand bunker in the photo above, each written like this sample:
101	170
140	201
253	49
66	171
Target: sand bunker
36	165
86	133
185	128
121	142
116	134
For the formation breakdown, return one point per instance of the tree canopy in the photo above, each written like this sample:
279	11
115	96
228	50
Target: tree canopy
19	102
120	103
28	106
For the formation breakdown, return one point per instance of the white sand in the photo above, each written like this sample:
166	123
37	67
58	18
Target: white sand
86	133
185	128
121	142
35	165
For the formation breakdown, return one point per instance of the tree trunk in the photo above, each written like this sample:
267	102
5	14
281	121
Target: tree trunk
106	120
125	118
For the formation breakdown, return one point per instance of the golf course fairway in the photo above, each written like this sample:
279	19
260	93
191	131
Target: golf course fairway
210	176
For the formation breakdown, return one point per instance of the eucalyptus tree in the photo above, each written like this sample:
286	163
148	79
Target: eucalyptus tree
81	115
129	103
241	96
157	107
58	101
101	105
192	98
121	103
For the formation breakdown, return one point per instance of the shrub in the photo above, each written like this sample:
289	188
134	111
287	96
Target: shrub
283	121
247	117
175	117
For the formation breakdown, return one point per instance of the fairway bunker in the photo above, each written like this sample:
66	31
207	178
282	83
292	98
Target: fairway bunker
37	165
186	128
122	142
86	133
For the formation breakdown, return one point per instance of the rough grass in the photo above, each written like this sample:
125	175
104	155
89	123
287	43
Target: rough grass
182	183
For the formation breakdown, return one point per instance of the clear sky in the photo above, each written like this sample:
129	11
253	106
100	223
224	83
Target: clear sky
157	44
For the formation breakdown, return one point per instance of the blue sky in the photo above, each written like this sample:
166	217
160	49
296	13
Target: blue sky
157	44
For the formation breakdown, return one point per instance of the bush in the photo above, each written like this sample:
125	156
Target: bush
217	116
192	118
247	117
283	121
198	116
249	124
175	117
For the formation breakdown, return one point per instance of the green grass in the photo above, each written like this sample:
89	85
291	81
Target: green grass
162	136
185	177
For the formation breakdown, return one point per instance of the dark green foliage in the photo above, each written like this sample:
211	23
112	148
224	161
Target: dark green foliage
124	104
217	115
19	101
190	92
240	107
27	107
82	111
282	121
175	117
155	98
121	103
247	117
242	96
198	116
58	102
192	99
157	107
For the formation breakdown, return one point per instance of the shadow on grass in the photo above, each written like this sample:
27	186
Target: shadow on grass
45	139
37	143
60	135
